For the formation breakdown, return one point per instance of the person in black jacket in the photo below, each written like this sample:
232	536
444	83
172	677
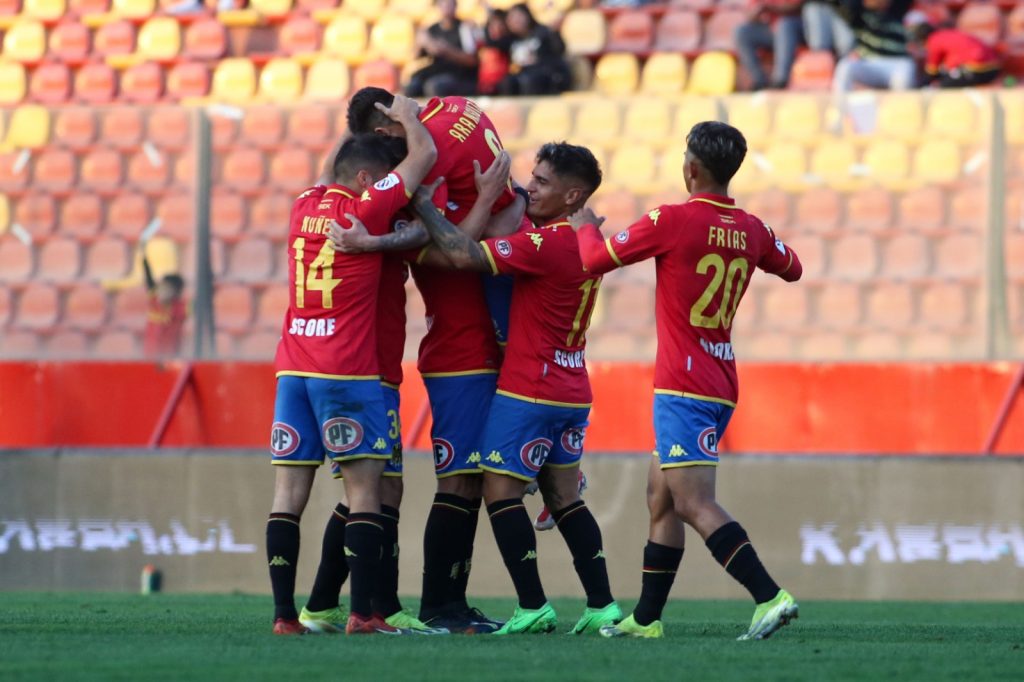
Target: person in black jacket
451	44
538	57
880	58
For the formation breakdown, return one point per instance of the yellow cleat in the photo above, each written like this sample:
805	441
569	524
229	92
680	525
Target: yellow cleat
771	615
326	622
630	628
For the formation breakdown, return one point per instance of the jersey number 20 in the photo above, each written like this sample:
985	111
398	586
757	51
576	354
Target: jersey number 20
320	277
735	278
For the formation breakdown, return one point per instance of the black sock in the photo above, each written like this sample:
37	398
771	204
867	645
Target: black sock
333	569
385	601
732	549
363	536
283	557
443	550
583	536
518	545
660	565
458	595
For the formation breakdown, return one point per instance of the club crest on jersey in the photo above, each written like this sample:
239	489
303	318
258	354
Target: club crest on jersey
284	440
503	247
535	453
707	441
342	434
444	454
572	441
622	237
387	182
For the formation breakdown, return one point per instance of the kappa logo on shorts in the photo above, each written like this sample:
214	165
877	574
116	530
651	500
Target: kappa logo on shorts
387	182
503	248
622	237
342	434
444	454
707	441
572	440
535	453
284	440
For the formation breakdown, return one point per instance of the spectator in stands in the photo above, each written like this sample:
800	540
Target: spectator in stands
880	58
952	58
538	66
494	53
165	318
825	29
451	46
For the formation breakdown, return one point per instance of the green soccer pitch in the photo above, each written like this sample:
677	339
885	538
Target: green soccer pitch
75	636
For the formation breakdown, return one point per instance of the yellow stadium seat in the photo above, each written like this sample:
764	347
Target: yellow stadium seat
5	214
584	31
634	167
751	114
785	165
281	80
45	10
887	163
1012	101
955	115
900	116
346	37
133	9
648	120
392	38
713	73
414	9
749	178
664	74
798	117
29	127
670	168
834	162
617	74
367	9
234	80
548	120
13	83
25	41
937	161
328	80
693	110
598	120
273	9
550	12
159	39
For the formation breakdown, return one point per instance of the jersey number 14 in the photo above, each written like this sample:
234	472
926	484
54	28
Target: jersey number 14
320	277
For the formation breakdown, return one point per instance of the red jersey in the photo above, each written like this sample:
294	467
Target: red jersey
952	49
705	251
391	318
330	326
164	323
552	301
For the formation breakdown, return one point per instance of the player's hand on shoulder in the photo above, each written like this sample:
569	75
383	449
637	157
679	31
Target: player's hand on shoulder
493	181
424	194
349	239
585	216
402	109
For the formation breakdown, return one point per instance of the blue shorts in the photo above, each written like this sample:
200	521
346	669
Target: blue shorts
391	405
343	420
687	430
522	437
458	408
498	293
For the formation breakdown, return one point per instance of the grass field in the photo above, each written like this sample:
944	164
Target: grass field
227	637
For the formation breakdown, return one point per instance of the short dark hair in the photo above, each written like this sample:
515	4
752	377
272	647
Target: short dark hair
720	147
176	282
525	9
363	115
570	160
363	152
919	33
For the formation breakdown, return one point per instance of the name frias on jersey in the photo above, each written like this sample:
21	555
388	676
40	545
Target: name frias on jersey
316	327
727	237
467	122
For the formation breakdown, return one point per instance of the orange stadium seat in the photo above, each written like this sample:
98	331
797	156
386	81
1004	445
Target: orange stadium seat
678	31
102	170
37	213
945	305
890	305
786	307
233	307
136	10
663	74
930	346
10	9
272	306
122	127
923	209
712	73
853	257
142	83
269	215
234	80
185	169
619	208
129	309
51	83
148	174
392	38
252	260
177	216
160	39
292	170
906	256
188	80
631	31
812	70
584	32
617	73
869	209
6	306
507	117
347	36
60	260
309	126
548	119
85	8
812	251
227	215
116	344
967	208
13	176
259	345
281	80
960	255
168	127
54	170
38	307
983	20
81	216
720	29
95	84
772	206
205	39
937	160
378	73
649	120
107	258
819	211
598	120
272	9
13	83
874	345
17	261
263	126
70	42
25	42
115	38
300	36
243	169
67	344
327	80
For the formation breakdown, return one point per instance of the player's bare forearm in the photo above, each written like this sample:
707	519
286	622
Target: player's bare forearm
490	185
422	152
463	251
412	237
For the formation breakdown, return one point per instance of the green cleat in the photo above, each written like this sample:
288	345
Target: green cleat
630	628
593	620
404	620
530	621
771	615
326	622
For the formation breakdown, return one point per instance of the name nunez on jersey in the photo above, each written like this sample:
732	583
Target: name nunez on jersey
315	327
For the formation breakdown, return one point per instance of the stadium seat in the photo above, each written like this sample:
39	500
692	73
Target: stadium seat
906	256
13	83
130	307
38	307
159	39
853	257
785	164
968	208
954	116
13	175
300	36
887	163
176	212
752	115
772	206
833	162
786	308
819	210
227	215
693	110
84	9
136	10
46	11
272	9
900	116
678	31
923	209
81	216
121	345
114	38
937	160
142	83
95	84
617	74
168	127
870	209
945	306
598	121
619	208
70	42
663	74
17	261
798	117
347	36
102	170
813	253
982	19
60	260
263	126
147	173
86	308
631	31
392	38
185	169
310	127
234	80
5	214
414	9
67	344
584	32
378	73
54	171
107	258
368	9
812	70
923	345
327	80
75	127
37	213
960	255
25	42
633	167
877	346
252	260
271	308
269	212
1012	101
281	80
292	170
712	73
649	120
188	80
205	39
258	345
243	169
720	29
6	306
233	307
28	127
890	305
548	119
122	127
507	117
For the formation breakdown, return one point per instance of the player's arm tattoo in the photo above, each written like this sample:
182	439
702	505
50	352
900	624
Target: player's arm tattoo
463	252
357	240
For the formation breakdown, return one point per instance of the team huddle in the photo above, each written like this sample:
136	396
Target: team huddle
509	276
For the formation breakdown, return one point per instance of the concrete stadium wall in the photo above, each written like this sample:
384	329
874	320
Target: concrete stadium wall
827	528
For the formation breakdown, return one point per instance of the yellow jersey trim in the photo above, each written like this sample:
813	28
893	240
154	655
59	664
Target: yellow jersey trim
388	384
689	464
694	396
318	375
427	117
459	473
465	373
341	459
788	265
490	258
422	254
502	472
562	466
714	203
611	252
540	401
342	192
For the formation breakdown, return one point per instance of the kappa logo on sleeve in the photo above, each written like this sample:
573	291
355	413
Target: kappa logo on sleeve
387	182
537	239
503	247
654	215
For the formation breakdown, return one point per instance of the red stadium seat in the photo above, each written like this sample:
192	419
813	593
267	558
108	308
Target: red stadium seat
205	39
102	170
95	84
869	209
819	210
252	260
630	31
720	29
83	8
177	216
812	251
17	261
678	31
967	209
227	215
67	344
168	127
13	175
292	170
10	8
185	170
310	126
945	305
37	213
854	257
75	127
263	127
619	208
960	255
983	20
233	307
148	173
270	215
188	80
115	38
54	170
300	35
785	307
906	256
812	70
38	307
60	260
130	308
923	209
81	216
70	42
243	169
108	258
890	305
272	306
378	73
120	345
128	215
122	127
50	83
773	206
143	83
224	130
6	306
